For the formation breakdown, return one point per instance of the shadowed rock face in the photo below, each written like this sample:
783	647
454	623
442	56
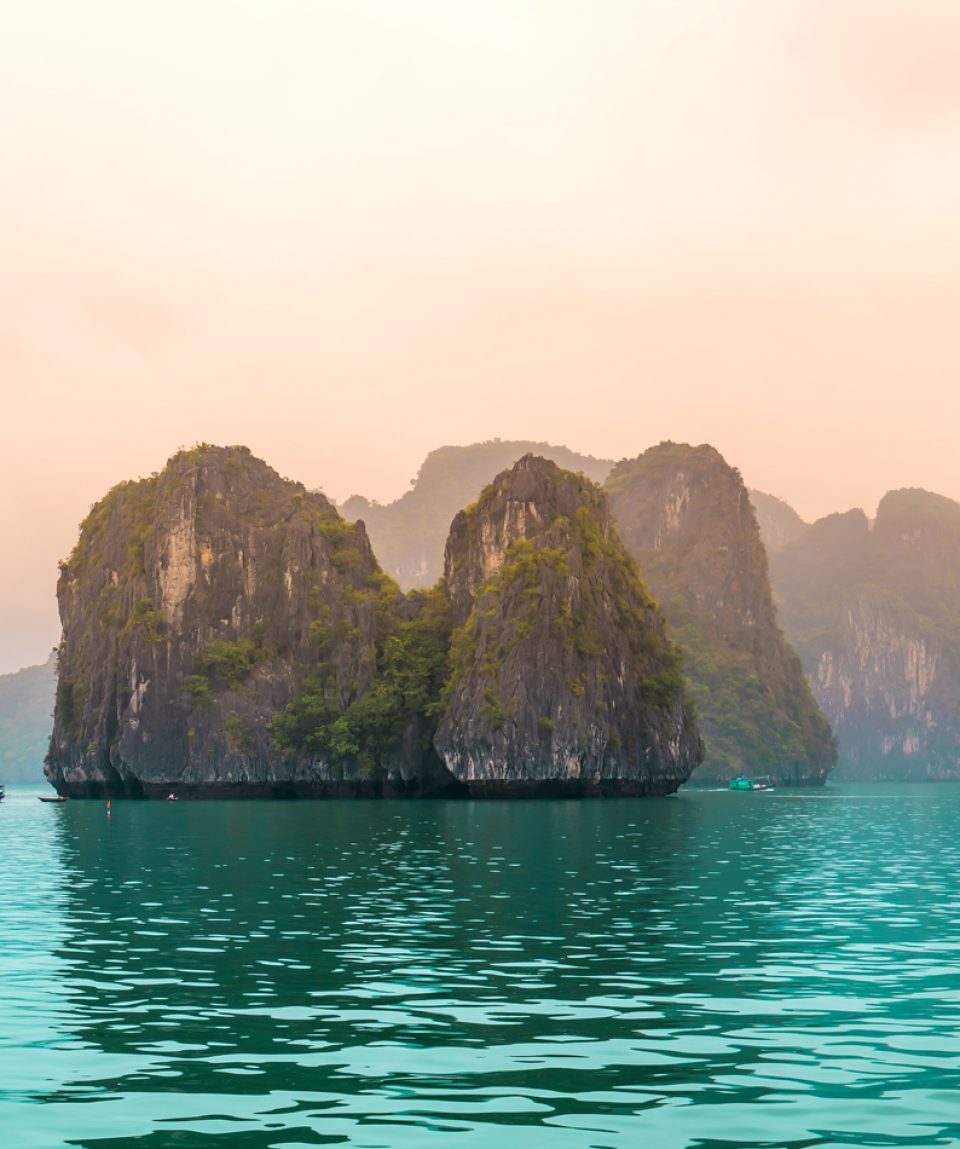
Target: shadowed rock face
562	680
687	519
190	609
875	615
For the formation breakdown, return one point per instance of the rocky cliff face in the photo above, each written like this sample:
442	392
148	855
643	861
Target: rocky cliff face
875	615
409	535
225	631
562	679
688	520
195	606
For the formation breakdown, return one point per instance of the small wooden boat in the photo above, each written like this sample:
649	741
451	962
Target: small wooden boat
52	798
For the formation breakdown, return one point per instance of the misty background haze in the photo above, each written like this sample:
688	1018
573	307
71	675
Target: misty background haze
347	233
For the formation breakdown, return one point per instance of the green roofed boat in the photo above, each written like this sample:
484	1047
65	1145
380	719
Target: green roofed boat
741	783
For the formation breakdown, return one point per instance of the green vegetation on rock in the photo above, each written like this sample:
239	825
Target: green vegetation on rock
401	701
224	627
224	664
560	672
191	605
687	518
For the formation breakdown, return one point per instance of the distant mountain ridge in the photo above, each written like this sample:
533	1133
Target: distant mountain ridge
26	716
408	535
874	612
779	523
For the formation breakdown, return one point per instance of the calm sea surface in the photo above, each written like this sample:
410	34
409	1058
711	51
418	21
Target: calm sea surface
710	970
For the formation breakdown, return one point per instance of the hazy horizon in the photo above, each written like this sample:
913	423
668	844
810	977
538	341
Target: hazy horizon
347	234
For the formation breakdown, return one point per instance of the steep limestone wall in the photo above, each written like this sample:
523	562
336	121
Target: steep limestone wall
562	678
191	608
687	518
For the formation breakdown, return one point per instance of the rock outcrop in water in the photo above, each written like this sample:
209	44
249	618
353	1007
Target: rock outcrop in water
225	631
686	517
562	679
195	607
875	614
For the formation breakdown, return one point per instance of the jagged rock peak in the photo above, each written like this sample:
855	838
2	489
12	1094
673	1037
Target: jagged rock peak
687	518
682	504
520	503
562	679
408	535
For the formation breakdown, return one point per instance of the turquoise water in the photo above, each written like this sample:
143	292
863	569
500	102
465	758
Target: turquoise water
709	970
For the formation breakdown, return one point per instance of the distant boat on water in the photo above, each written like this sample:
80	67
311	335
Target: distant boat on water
52	798
741	783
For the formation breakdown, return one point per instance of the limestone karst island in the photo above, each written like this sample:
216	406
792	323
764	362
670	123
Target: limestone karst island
228	632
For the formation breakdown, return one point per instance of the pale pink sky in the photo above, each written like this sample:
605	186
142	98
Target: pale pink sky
345	233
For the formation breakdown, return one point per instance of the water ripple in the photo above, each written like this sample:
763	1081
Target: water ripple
714	970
